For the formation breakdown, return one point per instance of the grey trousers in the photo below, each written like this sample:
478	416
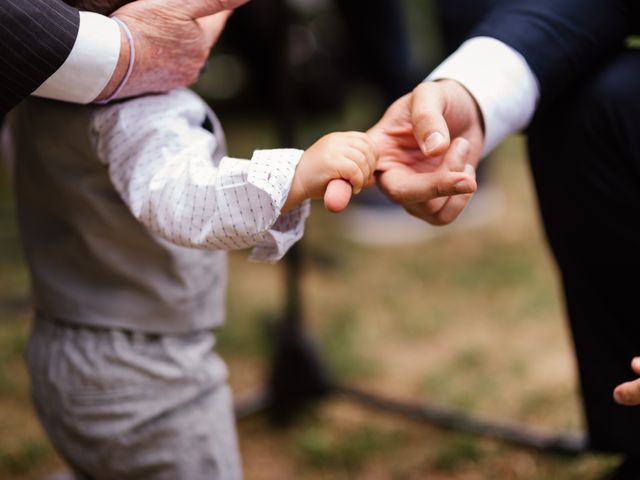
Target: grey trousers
121	405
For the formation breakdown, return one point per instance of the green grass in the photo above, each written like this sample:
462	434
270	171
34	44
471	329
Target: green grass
457	452
336	450
29	455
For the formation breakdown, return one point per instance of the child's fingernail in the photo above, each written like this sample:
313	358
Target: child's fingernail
636	362
356	191
433	141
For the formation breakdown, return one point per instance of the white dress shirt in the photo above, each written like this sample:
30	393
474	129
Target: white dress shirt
159	158
501	82
89	66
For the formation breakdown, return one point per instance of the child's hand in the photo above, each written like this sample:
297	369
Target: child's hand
347	157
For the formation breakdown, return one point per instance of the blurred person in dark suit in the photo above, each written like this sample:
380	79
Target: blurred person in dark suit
561	70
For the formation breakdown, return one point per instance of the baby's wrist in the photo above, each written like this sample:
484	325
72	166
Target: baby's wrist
297	194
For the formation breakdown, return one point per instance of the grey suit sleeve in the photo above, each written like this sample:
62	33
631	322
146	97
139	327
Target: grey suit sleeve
36	37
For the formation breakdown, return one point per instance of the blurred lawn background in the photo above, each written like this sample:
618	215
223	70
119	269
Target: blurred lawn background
469	320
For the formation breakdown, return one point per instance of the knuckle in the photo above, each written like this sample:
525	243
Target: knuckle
424	87
396	193
358	135
423	116
354	169
361	158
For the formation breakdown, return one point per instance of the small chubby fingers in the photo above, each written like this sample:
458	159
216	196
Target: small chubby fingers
352	172
361	159
365	144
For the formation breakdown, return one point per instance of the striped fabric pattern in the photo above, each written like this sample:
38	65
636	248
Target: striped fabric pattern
36	37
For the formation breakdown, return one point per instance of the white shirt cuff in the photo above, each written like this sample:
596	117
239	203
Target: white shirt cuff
500	80
272	172
90	64
288	229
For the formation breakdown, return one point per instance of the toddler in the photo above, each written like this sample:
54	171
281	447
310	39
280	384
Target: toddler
126	212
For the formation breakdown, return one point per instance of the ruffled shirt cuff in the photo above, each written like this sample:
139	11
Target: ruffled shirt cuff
272	172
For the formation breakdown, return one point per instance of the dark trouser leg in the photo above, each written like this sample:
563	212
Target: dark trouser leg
585	157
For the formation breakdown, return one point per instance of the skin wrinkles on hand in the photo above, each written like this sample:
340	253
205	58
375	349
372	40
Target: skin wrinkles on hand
173	40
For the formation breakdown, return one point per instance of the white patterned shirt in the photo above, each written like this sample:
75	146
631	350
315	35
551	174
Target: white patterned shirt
160	159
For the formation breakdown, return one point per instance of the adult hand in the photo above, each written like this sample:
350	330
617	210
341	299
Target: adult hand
628	393
420	167
173	39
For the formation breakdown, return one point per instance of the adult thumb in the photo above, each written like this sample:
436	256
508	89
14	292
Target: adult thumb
427	116
205	8
213	26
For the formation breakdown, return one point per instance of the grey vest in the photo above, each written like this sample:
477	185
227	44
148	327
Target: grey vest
92	262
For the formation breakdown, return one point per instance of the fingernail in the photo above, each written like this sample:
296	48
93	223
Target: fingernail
463	186
433	141
636	362
462	148
618	396
469	170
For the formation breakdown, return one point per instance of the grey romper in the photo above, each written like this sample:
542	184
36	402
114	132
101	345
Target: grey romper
126	213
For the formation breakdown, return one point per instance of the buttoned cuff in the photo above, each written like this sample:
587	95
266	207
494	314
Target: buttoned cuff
90	65
501	82
288	229
272	172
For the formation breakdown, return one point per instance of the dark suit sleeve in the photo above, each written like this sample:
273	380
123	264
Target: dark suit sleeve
36	37
562	40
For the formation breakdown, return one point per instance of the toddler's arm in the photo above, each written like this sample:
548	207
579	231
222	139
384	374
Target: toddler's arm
172	173
159	157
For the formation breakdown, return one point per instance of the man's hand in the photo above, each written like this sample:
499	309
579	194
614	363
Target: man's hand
420	167
173	39
628	393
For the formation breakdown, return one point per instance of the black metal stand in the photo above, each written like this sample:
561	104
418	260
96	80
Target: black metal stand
298	376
